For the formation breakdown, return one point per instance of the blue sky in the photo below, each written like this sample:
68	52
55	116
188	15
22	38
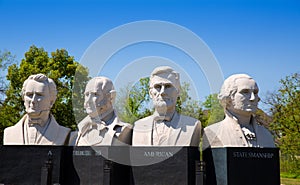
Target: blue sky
260	38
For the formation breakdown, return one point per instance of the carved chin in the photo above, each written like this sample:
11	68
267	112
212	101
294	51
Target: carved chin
91	112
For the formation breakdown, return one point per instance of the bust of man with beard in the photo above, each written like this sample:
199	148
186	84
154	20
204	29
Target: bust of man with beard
38	126
239	98
166	127
101	126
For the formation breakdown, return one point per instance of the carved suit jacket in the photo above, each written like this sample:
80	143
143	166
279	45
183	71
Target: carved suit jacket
186	131
228	133
54	135
78	138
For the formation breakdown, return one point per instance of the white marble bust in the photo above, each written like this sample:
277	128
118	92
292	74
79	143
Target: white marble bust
239	97
38	126
101	126
166	127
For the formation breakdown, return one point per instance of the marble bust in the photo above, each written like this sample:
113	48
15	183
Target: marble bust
239	98
101	126
38	126
166	127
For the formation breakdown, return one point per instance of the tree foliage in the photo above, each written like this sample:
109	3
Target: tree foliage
214	110
189	107
285	108
132	102
6	59
60	67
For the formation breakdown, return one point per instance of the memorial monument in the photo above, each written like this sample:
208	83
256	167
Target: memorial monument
101	126
239	98
166	127
37	126
239	141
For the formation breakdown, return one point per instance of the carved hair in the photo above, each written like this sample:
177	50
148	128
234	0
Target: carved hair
229	88
44	79
169	73
107	85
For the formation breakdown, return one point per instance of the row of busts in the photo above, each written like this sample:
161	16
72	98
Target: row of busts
166	127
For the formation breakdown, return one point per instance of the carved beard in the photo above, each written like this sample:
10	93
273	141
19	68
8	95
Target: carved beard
160	106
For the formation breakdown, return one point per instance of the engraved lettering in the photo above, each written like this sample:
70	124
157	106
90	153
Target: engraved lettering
82	153
149	154
158	154
263	155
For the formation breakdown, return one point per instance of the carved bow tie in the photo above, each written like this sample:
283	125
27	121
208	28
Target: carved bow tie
99	126
162	118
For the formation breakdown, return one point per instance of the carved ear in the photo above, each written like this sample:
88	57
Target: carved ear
112	94
228	101
150	93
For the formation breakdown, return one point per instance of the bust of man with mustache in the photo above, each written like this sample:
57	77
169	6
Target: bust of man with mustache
166	127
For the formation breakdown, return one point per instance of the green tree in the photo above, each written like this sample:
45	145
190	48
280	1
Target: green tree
189	107
214	110
132	101
6	59
285	109
60	67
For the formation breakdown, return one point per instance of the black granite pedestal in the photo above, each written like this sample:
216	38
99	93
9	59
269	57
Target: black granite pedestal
95	165
30	164
242	166
164	165
67	165
63	165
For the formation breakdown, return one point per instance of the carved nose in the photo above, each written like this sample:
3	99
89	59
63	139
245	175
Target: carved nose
34	98
89	98
162	90
252	96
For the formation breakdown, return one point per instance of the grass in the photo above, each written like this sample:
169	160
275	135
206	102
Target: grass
288	181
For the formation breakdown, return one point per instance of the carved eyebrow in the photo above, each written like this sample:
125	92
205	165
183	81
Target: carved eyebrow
36	92
39	93
28	93
168	85
245	90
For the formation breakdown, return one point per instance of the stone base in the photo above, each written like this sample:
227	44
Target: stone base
47	165
164	165
23	164
242	166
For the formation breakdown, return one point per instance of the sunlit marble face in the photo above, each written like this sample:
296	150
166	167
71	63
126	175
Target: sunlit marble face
97	101
36	98
246	99
164	94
